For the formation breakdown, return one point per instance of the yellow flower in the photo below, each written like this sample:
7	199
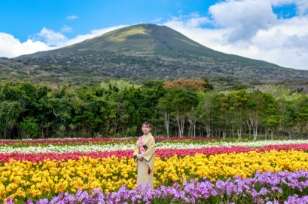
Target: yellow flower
23	179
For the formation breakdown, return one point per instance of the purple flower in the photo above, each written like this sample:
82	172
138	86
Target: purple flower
262	188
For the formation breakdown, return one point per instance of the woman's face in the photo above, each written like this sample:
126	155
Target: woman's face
145	129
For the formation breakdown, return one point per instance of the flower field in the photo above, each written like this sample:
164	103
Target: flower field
186	171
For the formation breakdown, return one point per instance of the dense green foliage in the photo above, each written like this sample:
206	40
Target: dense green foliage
118	109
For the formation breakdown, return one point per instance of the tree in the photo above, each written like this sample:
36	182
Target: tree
238	109
9	113
270	114
205	110
179	102
302	113
29	128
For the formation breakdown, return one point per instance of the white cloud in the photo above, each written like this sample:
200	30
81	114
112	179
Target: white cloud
51	37
46	39
91	34
251	29
72	17
302	6
11	47
280	2
197	21
243	17
66	29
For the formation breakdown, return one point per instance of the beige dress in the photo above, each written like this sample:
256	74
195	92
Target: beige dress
145	166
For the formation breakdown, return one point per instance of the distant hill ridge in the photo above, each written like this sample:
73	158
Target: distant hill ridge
141	52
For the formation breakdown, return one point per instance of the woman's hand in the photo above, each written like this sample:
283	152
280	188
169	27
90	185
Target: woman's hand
140	157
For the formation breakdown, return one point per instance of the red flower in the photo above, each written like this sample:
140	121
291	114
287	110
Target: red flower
36	157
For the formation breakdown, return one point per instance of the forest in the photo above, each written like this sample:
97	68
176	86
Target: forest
184	107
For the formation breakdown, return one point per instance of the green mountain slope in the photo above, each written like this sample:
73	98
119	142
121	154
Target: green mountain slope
140	52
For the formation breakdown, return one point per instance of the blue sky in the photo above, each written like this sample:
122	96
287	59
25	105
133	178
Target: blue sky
27	17
263	29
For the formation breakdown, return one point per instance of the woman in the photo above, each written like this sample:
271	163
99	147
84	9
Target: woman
144	154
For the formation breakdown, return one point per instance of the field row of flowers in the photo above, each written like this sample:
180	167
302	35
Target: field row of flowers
162	153
105	172
45	179
129	146
270	188
161	140
100	140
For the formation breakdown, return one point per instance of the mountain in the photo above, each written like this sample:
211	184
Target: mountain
140	52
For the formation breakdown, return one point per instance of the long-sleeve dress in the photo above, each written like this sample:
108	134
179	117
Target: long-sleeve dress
145	167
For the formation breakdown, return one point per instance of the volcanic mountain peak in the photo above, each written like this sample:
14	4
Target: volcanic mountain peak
140	52
142	39
121	36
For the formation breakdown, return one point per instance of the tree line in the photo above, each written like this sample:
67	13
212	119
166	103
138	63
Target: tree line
175	108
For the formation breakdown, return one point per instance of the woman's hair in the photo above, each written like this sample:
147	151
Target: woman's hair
147	124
